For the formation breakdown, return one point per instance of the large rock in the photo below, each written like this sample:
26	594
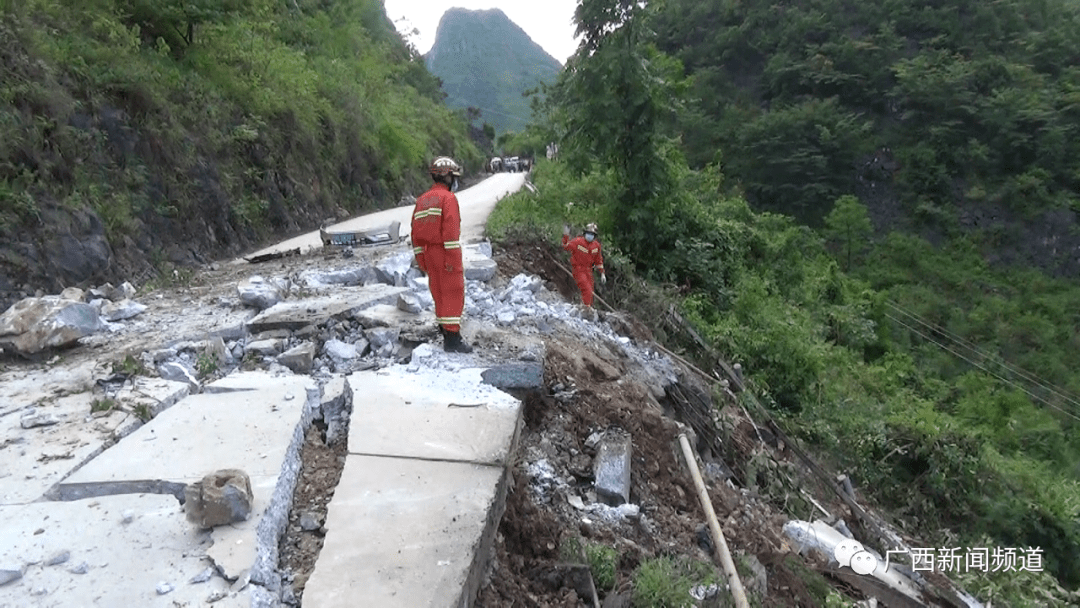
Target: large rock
36	324
222	497
477	262
260	293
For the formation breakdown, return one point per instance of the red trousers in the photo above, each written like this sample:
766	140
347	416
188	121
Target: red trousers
583	278
446	280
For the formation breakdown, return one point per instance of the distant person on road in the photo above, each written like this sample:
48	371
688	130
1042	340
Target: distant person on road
584	256
436	234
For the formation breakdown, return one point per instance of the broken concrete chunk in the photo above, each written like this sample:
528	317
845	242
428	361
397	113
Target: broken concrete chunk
259	293
299	358
119	311
380	337
36	324
81	568
515	375
36	419
409	303
612	468
266	348
163	588
344	276
73	294
58	558
203	576
393	269
175	371
222	497
342	351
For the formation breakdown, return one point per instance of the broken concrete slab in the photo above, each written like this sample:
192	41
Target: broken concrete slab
385	315
528	375
254	423
477	265
439	415
611	469
295	314
266	348
407	533
343	276
125	560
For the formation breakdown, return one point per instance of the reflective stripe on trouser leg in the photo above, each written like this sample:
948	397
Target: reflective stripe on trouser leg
584	280
447	288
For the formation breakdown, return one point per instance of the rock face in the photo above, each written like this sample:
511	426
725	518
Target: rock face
222	497
36	324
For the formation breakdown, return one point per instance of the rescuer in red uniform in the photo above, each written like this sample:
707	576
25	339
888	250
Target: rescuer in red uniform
436	230
584	255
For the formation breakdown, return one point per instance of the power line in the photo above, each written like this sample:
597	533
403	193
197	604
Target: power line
1024	374
983	368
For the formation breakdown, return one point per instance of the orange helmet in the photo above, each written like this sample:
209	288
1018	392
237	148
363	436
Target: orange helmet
444	165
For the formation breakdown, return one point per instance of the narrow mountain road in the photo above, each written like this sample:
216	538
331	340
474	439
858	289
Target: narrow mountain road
476	204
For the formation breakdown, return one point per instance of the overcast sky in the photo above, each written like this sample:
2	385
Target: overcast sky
548	22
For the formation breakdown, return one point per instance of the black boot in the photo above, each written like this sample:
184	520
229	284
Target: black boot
454	344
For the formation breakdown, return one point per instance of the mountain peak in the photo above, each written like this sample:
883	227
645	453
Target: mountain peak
487	61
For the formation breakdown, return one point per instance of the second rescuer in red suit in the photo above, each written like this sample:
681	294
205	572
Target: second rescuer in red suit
436	233
584	255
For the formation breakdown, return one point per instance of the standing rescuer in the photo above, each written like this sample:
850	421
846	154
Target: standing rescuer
584	255
436	234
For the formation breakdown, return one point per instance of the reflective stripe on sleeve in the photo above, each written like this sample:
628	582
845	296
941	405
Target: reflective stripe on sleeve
427	213
452	245
418	250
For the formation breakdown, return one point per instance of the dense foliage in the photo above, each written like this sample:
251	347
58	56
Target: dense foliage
978	101
209	124
943	384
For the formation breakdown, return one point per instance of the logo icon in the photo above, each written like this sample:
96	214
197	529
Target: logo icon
852	554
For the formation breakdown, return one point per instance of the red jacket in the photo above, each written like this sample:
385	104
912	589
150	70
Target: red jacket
437	222
583	254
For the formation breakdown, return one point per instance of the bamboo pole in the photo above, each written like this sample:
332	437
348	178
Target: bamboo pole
714	526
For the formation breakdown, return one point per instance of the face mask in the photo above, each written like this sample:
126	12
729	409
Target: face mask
589	236
454	185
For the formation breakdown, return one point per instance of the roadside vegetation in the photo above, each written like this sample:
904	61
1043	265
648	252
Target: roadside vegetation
209	125
943	384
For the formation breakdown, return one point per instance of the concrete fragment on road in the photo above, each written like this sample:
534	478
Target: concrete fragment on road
611	469
222	497
478	265
261	293
528	375
299	358
295	314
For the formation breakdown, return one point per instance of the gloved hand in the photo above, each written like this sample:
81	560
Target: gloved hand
566	229
603	279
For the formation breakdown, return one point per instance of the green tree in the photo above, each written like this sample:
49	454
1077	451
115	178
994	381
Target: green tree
849	225
608	108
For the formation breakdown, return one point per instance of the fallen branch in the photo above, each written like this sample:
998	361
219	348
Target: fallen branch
714	526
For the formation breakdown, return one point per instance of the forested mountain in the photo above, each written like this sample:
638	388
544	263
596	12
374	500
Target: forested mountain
135	135
486	61
957	117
